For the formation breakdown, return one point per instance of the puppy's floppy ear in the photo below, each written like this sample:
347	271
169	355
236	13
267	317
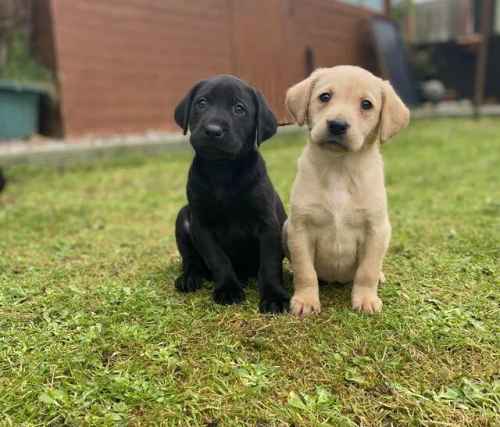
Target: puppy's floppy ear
395	116
297	100
299	96
265	120
183	109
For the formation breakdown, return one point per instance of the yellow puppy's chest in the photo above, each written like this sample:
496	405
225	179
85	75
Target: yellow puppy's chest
337	236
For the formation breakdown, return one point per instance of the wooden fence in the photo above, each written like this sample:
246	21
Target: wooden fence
122	65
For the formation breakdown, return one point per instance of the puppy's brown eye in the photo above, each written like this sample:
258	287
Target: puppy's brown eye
325	97
366	105
239	109
201	103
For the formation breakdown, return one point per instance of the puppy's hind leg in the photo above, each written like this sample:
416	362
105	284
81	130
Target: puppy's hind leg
194	270
381	278
284	239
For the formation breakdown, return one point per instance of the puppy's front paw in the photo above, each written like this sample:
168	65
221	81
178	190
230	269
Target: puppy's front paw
277	302
188	282
305	305
366	302
229	294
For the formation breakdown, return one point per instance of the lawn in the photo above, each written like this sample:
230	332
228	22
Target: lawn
92	331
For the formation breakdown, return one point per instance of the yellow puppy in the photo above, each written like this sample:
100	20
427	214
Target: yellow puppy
339	229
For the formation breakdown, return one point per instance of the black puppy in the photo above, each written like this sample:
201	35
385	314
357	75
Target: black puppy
230	230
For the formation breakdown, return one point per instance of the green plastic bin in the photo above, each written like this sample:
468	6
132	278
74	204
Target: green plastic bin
19	105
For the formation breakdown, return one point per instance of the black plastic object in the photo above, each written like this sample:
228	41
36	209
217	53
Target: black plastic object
392	59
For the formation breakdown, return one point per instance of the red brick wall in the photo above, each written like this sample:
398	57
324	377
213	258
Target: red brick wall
122	65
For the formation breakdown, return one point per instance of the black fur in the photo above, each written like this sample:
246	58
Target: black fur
230	230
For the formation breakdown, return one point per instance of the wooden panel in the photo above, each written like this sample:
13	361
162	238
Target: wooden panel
122	65
43	36
337	34
260	55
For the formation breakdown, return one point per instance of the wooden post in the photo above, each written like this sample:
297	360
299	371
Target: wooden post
387	8
482	57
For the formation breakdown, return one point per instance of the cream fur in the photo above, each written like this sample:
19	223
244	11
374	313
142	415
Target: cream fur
339	229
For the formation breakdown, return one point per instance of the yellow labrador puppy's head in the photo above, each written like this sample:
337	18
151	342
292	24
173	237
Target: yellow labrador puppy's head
346	107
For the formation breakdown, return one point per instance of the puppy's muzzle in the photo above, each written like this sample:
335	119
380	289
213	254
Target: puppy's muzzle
214	131
337	127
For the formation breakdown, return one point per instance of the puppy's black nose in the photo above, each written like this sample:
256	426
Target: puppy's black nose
214	131
337	127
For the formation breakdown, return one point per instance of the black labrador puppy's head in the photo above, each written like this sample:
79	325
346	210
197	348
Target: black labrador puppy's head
226	116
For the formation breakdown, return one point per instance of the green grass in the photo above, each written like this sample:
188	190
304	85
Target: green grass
92	331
